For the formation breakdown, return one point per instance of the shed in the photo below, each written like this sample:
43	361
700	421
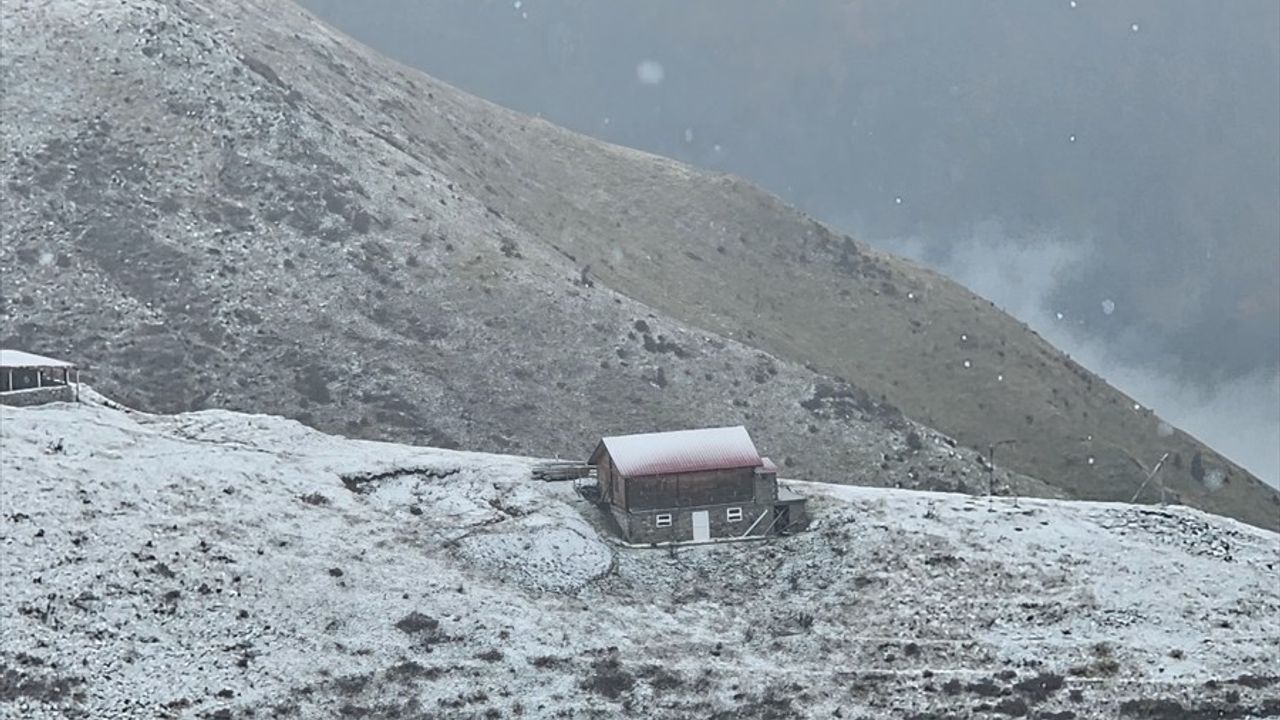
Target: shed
692	486
30	379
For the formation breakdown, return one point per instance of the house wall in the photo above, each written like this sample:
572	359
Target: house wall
635	503
641	526
766	488
710	487
604	478
38	396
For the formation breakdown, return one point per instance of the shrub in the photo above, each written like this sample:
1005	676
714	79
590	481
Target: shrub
914	442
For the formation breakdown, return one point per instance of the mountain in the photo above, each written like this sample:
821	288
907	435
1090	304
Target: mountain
1150	127
221	565
217	203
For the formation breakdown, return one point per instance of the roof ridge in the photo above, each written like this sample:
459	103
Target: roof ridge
682	451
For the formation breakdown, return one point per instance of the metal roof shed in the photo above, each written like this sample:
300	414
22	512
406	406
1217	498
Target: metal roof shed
21	371
707	485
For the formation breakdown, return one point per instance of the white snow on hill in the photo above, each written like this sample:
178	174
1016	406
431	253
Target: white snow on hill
222	565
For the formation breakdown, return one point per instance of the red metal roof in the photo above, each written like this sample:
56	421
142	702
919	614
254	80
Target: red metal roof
682	451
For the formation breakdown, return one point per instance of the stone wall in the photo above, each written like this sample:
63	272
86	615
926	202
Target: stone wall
38	396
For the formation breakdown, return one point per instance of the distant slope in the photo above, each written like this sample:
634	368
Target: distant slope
203	233
227	203
215	564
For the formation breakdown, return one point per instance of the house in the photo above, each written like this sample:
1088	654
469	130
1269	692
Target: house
692	486
30	379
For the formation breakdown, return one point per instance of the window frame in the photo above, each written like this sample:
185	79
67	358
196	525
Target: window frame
729	514
663	520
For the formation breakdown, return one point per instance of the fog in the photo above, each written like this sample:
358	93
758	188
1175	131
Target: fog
1116	163
1238	416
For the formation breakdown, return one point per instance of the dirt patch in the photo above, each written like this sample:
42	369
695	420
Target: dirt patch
660	678
661	345
1169	709
17	685
1257	682
409	671
416	622
607	678
842	401
362	482
1037	688
548	662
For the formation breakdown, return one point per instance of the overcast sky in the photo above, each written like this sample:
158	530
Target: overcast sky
1121	160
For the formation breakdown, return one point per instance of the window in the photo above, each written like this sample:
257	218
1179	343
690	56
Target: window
662	520
733	514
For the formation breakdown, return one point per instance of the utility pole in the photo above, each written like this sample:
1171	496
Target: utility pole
1152	474
991	467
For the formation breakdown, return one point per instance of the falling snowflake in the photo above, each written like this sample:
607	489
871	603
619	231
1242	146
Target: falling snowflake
1134	27
1000	378
1073	3
1136	406
520	3
1090	461
963	337
911	296
1108	306
897	200
1071	138
650	72
1059	315
968	364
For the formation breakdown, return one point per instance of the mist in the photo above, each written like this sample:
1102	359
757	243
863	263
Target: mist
1238	416
1130	150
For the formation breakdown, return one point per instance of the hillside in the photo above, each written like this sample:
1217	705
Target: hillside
228	204
967	112
221	565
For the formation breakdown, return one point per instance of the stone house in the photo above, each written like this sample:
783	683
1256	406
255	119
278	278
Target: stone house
695	486
30	379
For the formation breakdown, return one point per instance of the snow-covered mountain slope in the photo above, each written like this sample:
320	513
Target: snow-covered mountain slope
221	565
201	193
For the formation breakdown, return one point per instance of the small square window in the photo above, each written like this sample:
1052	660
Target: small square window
662	521
733	514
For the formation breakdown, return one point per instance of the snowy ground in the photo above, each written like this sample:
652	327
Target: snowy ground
223	565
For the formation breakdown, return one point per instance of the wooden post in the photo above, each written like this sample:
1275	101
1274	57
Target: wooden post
10	381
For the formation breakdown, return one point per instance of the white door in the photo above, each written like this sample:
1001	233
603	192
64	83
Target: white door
701	526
